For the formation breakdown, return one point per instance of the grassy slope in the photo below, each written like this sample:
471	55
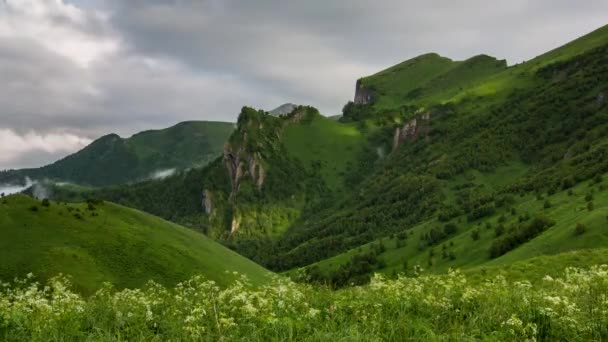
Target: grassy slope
187	144
566	210
394	83
123	246
334	145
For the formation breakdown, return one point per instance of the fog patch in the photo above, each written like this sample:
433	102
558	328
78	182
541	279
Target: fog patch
40	191
9	189
162	174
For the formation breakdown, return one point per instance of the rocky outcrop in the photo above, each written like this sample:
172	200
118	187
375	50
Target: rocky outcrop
235	225
240	164
207	203
414	129
234	165
363	95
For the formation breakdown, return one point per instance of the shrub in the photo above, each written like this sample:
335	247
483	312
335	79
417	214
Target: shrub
522	234
580	229
475	235
547	204
499	230
590	206
589	197
34	208
46	202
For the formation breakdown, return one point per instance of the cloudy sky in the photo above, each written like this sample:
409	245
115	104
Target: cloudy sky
73	70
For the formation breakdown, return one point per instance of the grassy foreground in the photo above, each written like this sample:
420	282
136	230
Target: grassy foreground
571	307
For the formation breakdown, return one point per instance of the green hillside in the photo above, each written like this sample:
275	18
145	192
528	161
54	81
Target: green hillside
326	144
108	243
112	160
443	151
437	249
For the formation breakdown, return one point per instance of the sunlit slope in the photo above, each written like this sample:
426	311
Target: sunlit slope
325	144
108	244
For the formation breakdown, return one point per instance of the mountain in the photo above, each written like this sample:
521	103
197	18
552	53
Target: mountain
105	242
435	162
283	109
112	160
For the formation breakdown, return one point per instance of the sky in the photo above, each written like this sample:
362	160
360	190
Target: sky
74	70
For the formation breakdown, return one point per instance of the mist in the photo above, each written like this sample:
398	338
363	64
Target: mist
162	174
9	189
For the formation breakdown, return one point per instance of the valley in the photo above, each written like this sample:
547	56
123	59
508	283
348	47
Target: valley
468	199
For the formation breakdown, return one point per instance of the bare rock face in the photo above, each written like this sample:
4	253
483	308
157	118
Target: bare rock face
236	223
362	94
207	203
240	164
234	164
412	130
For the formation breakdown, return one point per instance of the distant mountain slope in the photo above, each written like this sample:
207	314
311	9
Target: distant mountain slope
113	160
108	244
283	109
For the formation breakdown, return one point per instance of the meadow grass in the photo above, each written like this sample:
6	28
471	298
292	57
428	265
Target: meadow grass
572	307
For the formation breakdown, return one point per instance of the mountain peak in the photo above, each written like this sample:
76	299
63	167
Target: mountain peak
283	109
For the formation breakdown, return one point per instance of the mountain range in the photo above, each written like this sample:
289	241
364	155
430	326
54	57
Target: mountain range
441	163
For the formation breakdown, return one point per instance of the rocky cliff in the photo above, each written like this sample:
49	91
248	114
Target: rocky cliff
363	95
418	127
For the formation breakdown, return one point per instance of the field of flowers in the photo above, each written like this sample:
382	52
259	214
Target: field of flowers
572	307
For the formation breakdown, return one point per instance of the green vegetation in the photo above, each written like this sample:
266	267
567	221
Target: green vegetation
112	160
327	145
102	242
568	306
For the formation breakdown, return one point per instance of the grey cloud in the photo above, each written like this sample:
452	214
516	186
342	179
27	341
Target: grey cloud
188	59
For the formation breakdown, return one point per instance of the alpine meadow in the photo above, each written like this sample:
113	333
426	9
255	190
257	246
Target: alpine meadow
451	200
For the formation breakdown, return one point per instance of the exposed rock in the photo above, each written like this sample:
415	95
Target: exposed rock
234	164
207	203
256	170
235	161
236	223
362	94
412	130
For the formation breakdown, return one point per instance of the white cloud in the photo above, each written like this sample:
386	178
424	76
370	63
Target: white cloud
13	145
59	27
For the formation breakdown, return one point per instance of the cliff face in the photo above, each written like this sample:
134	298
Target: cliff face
415	128
253	159
239	164
363	95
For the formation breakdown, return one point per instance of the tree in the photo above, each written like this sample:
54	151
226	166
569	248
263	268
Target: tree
46	202
475	235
